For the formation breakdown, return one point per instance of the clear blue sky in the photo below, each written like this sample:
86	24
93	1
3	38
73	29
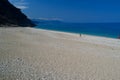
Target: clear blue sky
72	10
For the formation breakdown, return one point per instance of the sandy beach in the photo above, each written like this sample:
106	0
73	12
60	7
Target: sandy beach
36	54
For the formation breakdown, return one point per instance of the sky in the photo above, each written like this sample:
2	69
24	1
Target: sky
83	11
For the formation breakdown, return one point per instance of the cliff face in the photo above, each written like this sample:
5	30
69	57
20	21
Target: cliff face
10	15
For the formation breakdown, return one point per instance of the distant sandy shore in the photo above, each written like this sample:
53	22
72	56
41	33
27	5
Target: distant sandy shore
36	54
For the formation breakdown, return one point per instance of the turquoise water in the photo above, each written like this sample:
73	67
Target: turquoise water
111	30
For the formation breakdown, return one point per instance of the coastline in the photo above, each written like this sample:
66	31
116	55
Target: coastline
89	38
37	54
100	31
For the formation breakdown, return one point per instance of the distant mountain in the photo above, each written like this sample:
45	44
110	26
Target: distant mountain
10	15
47	22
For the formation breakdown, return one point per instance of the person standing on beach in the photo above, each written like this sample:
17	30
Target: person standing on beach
80	35
119	37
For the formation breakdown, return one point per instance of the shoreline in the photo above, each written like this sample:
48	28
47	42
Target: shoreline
74	33
97	39
91	34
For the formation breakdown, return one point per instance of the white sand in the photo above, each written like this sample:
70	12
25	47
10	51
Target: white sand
33	54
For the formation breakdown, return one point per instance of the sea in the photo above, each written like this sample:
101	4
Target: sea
110	30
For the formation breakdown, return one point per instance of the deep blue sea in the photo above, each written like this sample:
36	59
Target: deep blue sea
111	30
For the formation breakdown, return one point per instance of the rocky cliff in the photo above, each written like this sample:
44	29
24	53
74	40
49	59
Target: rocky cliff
10	15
